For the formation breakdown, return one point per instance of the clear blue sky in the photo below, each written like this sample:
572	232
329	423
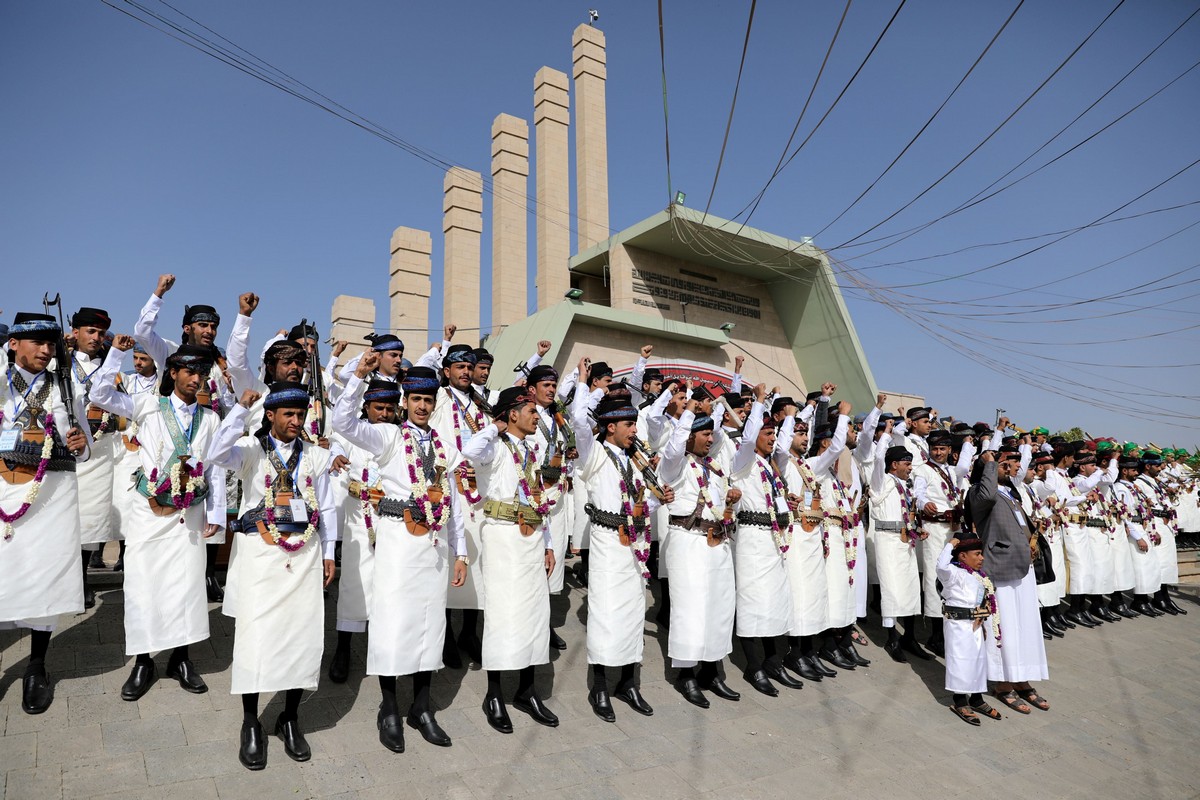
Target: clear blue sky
125	154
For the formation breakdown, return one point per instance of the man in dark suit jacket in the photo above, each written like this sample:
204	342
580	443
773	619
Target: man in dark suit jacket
1000	522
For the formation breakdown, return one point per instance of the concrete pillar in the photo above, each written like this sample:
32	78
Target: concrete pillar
409	286
591	136
510	179
352	318
551	117
462	223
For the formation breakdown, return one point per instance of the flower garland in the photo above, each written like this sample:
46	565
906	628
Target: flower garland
640	545
472	498
294	543
31	493
906	515
1143	507
851	520
364	495
547	502
182	492
435	513
989	598
772	488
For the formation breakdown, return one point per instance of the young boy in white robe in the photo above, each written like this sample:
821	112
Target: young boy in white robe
968	618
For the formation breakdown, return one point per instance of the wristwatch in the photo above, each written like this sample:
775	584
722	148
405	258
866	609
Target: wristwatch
464	560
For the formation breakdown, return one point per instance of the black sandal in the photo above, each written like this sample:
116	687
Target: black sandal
1034	699
1011	700
983	708
964	713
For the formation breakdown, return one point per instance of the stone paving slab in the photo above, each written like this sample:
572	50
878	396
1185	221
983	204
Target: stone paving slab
1123	724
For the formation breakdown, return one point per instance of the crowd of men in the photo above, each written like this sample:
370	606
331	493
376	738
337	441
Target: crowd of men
747	517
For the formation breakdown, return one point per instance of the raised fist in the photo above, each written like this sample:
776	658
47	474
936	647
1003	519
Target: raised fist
247	303
543	347
249	398
122	342
165	282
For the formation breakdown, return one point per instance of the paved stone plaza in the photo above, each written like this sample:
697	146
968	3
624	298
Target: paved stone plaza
1123	724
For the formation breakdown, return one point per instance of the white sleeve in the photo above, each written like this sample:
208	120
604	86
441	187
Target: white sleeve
674	453
145	334
743	459
329	505
827	459
104	387
481	447
346	420
221	450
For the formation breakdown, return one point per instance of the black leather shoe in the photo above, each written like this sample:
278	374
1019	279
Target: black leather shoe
1063	622
556	641
534	707
140	679
96	560
601	705
1046	635
633	697
185	672
1079	619
936	646
36	695
253	752
1051	631
1158	605
1051	622
1143	608
799	665
835	657
339	667
497	714
780	675
913	647
761	683
690	689
820	668
1169	602
391	732
215	594
850	652
1125	611
722	690
893	650
429	728
1097	622
89	597
294	743
120	565
1103	613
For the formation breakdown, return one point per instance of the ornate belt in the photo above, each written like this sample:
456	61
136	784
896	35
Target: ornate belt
1095	522
1161	513
949	516
762	519
607	519
961	612
886	526
511	512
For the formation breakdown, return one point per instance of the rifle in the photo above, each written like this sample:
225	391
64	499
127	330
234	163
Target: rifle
316	381
62	363
641	459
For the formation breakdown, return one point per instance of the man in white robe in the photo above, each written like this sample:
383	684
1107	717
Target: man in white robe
517	555
287	503
184	506
89	327
39	546
1135	519
417	527
620	547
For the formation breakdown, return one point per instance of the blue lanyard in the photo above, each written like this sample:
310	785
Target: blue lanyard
188	433
28	389
296	474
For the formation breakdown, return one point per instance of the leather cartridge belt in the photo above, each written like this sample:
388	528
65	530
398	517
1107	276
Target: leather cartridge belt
962	612
1095	522
888	526
1161	513
1075	519
1135	519
836	517
511	512
250	522
27	454
606	519
761	519
949	516
391	507
693	523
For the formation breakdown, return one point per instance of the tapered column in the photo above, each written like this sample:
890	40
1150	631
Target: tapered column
352	319
551	118
409	286
510	179
591	136
462	224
